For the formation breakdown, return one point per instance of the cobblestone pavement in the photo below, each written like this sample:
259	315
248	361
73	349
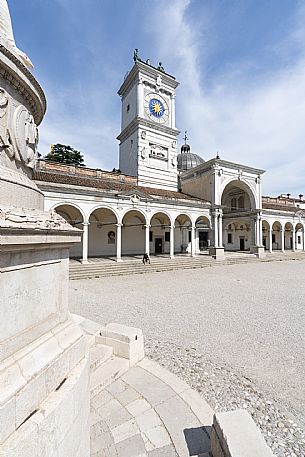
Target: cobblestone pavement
234	333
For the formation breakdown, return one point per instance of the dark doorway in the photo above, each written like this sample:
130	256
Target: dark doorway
203	240
158	245
242	244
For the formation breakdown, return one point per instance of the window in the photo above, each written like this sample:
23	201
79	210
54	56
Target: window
150	236
128	107
233	204
273	238
230	238
299	239
190	236
241	202
167	236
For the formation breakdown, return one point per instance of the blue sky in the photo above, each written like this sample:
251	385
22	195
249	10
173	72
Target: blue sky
241	65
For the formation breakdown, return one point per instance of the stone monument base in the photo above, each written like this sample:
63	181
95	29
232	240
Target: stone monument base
44	362
217	253
259	251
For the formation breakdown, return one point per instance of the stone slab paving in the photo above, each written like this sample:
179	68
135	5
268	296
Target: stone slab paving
149	412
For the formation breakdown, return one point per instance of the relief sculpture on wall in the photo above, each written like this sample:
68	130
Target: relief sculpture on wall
18	132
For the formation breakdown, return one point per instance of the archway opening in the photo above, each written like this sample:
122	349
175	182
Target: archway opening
203	235
239	212
159	234
288	236
266	234
277	236
237	235
133	233
183	234
102	233
299	236
72	215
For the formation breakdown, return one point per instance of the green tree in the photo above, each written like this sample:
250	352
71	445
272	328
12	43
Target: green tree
63	153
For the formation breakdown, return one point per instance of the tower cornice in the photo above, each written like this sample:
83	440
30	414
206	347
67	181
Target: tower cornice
140	122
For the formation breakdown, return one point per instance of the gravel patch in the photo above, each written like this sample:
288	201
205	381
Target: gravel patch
235	333
224	390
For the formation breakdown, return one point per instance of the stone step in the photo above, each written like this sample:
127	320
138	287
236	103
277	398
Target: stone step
99	354
106	373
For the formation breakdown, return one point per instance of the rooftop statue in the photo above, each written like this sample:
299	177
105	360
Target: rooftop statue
7	35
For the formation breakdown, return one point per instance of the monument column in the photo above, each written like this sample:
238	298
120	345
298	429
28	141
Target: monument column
85	242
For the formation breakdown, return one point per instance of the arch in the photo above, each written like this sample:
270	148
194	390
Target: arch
289	236
277	240
161	212
110	208
102	232
203	233
69	204
73	214
299	235
237	234
138	210
205	220
266	239
242	186
182	233
160	233
134	222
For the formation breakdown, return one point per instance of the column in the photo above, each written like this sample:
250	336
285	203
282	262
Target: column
282	240
215	230
293	239
172	242
140	98
85	242
147	227
220	231
193	241
270	240
257	231
173	111
119	242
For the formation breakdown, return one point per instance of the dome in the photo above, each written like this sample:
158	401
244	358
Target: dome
187	160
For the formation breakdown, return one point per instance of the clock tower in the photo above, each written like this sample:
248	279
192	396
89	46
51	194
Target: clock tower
148	138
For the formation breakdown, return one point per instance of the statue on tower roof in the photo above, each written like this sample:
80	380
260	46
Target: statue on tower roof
7	35
160	67
135	55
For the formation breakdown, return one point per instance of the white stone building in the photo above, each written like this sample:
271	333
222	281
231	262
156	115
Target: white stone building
152	205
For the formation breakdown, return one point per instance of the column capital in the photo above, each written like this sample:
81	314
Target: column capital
147	225
85	224
119	224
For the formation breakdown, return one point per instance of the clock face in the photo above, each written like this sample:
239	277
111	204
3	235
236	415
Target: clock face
156	108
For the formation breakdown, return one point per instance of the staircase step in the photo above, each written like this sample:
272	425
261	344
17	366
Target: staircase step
106	373
99	354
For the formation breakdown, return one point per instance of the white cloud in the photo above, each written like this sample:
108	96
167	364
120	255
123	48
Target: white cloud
258	124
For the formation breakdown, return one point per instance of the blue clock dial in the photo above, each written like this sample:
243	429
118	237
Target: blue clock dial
156	107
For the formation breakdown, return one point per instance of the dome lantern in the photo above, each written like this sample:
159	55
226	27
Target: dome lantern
186	159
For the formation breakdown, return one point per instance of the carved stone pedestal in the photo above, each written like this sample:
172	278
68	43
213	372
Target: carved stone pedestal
259	251
217	253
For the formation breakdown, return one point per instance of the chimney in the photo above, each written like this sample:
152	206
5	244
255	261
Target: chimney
301	197
288	195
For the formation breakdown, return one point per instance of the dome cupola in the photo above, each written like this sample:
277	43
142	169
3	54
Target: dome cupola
186	159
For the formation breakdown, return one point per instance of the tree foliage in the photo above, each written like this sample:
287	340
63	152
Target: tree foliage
63	153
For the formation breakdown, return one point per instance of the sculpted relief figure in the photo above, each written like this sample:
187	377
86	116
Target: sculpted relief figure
18	132
7	35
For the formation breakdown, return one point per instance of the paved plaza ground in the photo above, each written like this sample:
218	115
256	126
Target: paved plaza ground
249	318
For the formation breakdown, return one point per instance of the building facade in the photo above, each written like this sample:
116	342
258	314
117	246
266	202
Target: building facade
151	205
